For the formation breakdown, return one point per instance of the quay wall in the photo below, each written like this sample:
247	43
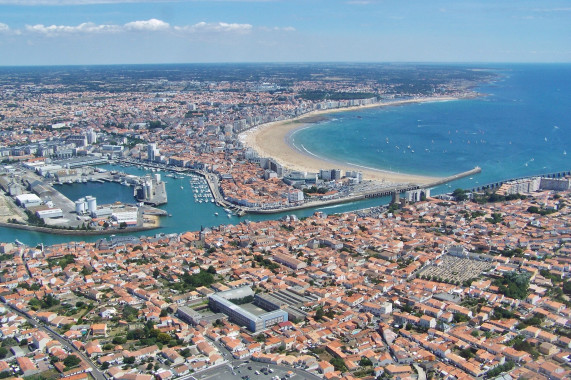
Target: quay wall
57	231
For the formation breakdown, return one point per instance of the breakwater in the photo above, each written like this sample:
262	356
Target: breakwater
386	191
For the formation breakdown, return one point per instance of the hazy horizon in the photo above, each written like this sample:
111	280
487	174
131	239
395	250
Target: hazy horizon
443	63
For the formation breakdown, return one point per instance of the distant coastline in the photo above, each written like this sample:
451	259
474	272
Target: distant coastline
274	140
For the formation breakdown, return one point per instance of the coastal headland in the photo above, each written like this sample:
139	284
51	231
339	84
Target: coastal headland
273	140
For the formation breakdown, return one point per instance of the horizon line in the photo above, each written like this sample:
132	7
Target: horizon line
296	62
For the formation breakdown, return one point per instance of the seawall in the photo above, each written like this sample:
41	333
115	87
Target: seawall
58	231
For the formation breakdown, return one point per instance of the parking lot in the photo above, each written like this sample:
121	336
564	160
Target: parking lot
253	371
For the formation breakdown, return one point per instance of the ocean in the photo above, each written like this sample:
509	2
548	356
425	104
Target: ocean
521	127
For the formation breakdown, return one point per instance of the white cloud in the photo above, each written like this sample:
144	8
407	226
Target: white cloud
86	27
4	28
277	29
218	27
152	25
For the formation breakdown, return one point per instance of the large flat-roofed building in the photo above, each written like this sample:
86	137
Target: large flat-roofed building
248	315
189	315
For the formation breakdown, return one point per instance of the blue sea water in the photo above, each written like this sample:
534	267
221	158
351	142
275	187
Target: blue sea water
186	214
521	127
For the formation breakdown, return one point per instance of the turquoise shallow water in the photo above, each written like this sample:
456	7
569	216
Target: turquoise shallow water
521	128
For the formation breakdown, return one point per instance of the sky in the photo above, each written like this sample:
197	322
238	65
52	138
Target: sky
79	32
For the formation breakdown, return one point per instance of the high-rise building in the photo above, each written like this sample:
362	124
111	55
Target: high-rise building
152	152
335	174
91	136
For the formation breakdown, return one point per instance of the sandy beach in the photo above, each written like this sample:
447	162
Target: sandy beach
271	140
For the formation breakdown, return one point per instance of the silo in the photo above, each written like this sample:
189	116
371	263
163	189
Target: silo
80	206
91	203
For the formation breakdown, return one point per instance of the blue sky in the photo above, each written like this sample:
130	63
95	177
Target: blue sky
60	32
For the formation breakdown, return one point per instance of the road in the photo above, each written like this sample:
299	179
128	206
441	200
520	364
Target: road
95	372
420	371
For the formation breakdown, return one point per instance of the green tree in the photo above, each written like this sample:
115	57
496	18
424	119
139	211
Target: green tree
129	360
513	284
71	361
365	362
339	364
163	338
459	195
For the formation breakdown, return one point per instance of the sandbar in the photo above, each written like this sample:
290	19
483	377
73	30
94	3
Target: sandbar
272	140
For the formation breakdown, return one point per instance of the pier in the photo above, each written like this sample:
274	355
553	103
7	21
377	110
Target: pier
454	177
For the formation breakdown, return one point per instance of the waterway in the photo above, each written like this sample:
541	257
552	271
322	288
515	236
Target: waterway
187	214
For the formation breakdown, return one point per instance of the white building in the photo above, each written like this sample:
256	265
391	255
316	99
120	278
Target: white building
128	217
28	200
50	213
152	152
295	196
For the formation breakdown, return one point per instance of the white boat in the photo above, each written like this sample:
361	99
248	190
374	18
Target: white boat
564	152
181	187
215	214
229	215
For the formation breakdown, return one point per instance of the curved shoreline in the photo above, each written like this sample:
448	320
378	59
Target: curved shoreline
274	140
